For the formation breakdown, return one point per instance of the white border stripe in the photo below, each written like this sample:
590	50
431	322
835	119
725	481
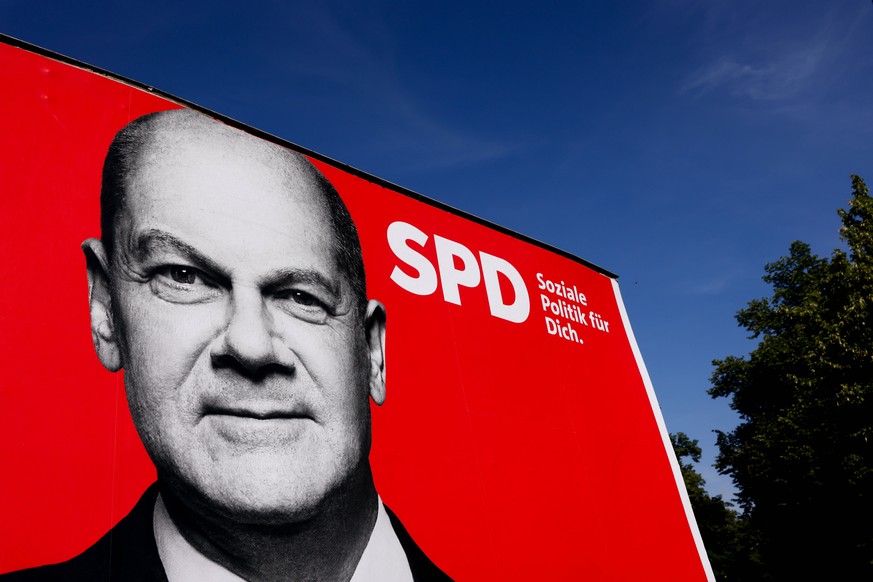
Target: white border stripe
665	437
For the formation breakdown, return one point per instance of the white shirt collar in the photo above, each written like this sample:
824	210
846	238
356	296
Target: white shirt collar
383	559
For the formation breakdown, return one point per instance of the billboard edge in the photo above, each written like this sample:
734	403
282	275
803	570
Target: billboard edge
665	436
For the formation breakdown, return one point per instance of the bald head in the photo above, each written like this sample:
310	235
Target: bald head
152	142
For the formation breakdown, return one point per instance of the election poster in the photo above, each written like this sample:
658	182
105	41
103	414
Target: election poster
483	387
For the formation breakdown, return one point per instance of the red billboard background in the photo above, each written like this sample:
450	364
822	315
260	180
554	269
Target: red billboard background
511	451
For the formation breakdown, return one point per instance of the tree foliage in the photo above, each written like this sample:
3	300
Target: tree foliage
802	456
730	549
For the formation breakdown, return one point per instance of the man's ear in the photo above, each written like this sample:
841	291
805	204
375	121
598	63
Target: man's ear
103	331
374	325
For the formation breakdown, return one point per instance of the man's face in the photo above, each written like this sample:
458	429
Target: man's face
246	360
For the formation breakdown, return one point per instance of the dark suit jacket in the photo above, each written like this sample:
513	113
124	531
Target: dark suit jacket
128	553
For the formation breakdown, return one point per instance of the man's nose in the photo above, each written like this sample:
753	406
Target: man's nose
249	337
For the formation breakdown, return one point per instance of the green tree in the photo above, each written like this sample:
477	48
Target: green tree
731	552
802	455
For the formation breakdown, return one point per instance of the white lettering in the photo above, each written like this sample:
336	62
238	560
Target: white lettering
519	309
554	327
561	290
456	266
399	233
451	277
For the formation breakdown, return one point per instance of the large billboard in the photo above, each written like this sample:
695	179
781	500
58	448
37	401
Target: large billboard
516	437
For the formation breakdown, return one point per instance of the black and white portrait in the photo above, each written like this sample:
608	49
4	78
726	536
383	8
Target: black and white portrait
228	286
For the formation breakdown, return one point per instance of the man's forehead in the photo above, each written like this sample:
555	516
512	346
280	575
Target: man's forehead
203	175
193	149
195	136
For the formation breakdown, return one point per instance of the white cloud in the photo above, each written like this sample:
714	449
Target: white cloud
779	77
778	53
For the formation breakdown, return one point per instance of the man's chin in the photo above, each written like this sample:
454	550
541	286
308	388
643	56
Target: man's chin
266	502
268	486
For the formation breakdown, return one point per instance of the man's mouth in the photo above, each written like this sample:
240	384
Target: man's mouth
257	424
256	413
257	408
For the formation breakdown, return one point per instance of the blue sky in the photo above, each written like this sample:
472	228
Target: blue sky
679	144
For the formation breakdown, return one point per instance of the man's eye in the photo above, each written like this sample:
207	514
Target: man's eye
303	298
303	305
184	275
183	284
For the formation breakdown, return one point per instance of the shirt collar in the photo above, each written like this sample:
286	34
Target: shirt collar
383	559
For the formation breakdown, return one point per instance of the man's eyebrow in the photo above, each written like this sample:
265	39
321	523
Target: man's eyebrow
154	240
